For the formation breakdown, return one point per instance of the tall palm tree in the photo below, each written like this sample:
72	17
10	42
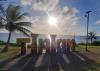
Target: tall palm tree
1	24
1	18
92	36
14	17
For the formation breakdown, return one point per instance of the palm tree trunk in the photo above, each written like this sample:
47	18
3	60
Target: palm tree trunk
91	41
7	44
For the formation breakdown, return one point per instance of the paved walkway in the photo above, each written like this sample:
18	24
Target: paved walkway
72	61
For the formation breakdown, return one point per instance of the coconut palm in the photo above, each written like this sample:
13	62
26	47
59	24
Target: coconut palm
92	36
1	19
1	24
14	23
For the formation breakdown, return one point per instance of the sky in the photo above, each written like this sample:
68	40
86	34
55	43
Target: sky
69	15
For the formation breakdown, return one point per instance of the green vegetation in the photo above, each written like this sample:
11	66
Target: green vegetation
94	43
93	50
89	46
92	36
13	22
93	54
13	50
12	44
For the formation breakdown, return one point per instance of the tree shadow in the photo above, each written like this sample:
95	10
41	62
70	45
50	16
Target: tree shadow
77	64
94	53
20	63
49	63
30	65
54	65
44	65
89	65
4	62
56	62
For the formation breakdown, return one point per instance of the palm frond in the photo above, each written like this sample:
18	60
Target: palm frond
14	17
28	24
1	23
20	16
92	35
23	30
12	12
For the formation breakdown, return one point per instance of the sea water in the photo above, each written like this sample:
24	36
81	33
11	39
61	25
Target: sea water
79	39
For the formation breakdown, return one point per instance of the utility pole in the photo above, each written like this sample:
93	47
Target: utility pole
87	15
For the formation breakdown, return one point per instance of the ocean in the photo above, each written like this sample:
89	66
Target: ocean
79	39
4	37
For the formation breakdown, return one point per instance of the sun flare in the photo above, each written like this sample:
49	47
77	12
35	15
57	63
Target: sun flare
52	20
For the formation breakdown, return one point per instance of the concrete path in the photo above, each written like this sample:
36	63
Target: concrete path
71	61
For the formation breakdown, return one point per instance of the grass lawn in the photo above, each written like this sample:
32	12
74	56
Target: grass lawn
93	53
89	65
13	50
94	49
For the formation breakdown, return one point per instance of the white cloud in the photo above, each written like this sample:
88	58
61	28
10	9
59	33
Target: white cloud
98	22
26	2
41	5
44	5
66	17
3	31
65	9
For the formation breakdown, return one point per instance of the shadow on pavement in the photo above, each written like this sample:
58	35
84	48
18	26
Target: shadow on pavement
79	65
56	62
4	62
19	64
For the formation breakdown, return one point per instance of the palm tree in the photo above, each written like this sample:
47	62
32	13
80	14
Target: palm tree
1	24
14	17
92	36
1	18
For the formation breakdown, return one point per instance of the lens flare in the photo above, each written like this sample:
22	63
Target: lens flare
52	20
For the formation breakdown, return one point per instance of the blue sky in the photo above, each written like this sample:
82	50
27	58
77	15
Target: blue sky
77	9
83	6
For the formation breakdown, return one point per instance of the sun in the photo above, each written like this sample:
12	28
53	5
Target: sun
52	20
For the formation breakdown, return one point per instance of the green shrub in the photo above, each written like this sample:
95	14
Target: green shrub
96	43
12	44
82	44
